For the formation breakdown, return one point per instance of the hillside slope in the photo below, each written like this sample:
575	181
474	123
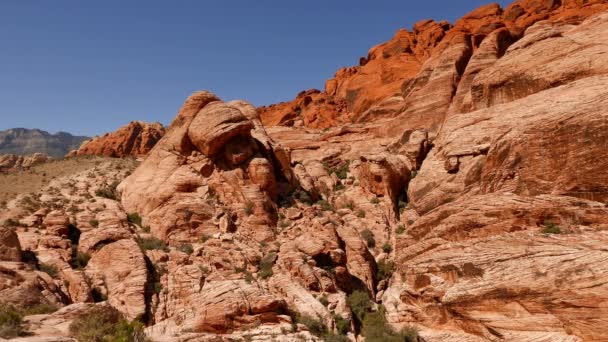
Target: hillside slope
22	141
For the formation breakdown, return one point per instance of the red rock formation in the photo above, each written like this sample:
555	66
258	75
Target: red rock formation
414	74
135	139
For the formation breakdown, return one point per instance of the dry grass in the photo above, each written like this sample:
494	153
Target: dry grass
24	182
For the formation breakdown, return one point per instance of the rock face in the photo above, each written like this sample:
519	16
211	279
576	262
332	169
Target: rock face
22	141
135	139
414	74
12	162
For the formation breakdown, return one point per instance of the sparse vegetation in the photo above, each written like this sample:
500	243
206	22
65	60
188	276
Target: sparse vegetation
385	269
400	230
134	218
94	223
551	228
368	236
325	206
147	244
387	248
339	187
108	191
10	322
205	237
375	200
265	265
361	214
48	269
186	248
104	323
323	300
79	260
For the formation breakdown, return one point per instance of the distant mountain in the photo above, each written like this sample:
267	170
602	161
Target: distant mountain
23	141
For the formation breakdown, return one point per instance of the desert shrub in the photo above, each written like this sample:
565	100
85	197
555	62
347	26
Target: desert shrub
10	321
385	269
359	303
323	300
205	237
361	214
339	187
376	329
265	266
314	325
248	277
186	248
147	244
106	324
375	200
79	260
387	248
325	206
400	229
39	309
342	325
48	269
551	228
11	223
134	218
94	223
249	208
108	191
368	236
302	196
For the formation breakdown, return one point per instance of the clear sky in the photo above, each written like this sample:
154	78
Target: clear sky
87	67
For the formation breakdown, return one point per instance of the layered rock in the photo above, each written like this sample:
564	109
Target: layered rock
12	162
135	139
415	74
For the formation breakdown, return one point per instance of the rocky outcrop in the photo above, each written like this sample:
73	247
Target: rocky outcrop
415	74
135	139
12	162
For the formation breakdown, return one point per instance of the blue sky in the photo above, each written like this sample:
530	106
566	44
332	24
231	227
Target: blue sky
87	67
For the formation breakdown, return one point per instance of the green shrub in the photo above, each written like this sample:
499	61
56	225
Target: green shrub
49	269
205	237
11	223
325	206
375	200
109	191
402	205
551	228
359	303
134	218
368	236
314	325
400	229
10	321
152	243
342	325
339	187
323	300
186	248
248	277
106	324
387	248
94	223
265	266
385	269
79	260
375	329
361	214
39	309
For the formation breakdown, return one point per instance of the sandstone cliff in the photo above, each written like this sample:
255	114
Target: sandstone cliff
135	139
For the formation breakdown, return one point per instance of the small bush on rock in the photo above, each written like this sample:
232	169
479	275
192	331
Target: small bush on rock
106	324
368	236
152	243
134	218
10	322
